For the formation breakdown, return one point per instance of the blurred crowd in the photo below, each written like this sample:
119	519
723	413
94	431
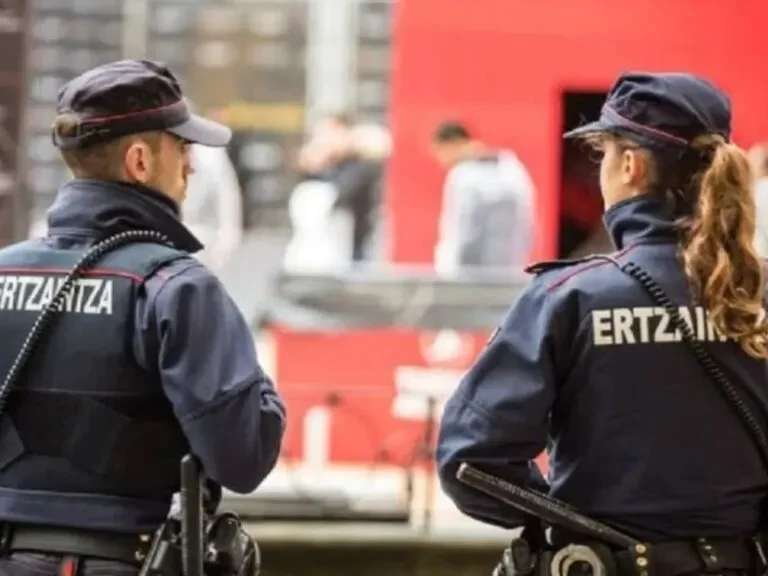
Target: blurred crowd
486	219
487	214
338	219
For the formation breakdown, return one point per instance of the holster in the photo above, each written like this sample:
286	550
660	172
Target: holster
228	549
525	555
575	559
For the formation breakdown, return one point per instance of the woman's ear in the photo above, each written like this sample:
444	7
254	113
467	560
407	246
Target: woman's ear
634	168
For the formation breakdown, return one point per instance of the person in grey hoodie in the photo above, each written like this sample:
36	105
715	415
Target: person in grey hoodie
486	219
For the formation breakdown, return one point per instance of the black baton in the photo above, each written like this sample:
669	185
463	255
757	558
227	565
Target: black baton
191	517
541	506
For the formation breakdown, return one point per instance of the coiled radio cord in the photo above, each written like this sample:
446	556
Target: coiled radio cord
707	362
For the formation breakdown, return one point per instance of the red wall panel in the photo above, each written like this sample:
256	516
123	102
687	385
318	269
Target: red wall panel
501	66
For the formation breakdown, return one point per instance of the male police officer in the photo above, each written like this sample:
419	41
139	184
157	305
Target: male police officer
148	358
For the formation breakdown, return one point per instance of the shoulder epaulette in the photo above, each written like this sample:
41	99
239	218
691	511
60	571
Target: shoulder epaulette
546	265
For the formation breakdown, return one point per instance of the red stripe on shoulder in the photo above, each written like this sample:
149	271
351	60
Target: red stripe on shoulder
588	266
560	281
64	271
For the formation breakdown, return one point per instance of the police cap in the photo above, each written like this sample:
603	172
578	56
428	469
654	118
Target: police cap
129	97
660	110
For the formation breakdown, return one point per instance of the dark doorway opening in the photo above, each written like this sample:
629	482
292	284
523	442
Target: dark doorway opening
581	230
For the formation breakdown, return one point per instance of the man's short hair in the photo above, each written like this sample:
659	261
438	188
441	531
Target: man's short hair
451	131
102	160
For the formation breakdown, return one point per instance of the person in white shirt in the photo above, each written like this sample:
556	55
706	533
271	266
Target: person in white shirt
758	157
487	215
321	239
213	208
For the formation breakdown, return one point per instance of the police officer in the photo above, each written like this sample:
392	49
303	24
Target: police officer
148	357
586	365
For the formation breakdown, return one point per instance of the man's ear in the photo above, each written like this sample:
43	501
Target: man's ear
138	161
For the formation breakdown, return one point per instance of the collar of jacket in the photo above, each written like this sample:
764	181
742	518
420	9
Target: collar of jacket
642	219
100	208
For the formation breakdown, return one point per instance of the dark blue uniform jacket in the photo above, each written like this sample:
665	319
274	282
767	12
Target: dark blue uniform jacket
585	366
187	333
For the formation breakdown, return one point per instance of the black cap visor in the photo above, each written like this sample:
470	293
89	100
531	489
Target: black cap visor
200	130
174	119
592	128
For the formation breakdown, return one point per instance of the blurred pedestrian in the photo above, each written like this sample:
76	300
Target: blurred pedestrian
321	238
213	209
354	172
372	146
758	157
486	217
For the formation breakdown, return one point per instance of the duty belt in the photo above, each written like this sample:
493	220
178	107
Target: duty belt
701	556
602	550
126	548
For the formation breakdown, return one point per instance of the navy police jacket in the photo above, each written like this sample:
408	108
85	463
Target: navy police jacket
147	359
587	367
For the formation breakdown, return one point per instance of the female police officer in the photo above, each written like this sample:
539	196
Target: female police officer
587	364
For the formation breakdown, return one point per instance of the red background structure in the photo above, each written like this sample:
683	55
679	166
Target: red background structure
502	66
354	372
